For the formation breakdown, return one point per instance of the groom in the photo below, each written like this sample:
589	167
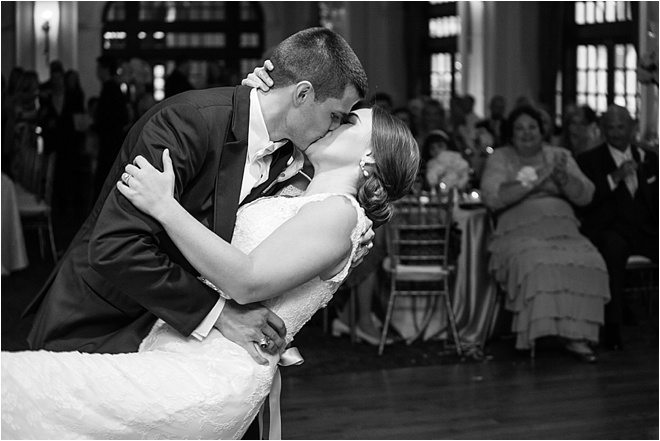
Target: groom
229	146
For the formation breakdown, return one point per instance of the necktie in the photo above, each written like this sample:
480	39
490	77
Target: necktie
631	179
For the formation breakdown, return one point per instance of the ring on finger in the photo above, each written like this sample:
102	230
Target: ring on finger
126	177
264	342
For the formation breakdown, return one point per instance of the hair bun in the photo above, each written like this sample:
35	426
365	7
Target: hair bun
375	200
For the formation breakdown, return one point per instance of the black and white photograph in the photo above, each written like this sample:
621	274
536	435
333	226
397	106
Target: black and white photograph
328	220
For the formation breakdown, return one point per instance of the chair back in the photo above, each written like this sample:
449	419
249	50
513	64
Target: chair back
418	263
48	179
419	233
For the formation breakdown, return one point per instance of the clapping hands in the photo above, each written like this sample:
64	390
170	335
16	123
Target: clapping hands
559	173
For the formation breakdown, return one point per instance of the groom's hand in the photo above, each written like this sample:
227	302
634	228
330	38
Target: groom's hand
247	325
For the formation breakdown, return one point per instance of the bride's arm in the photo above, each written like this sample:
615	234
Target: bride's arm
314	242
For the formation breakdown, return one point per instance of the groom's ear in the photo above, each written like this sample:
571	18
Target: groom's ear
303	93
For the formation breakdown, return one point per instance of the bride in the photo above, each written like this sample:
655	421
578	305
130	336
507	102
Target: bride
291	253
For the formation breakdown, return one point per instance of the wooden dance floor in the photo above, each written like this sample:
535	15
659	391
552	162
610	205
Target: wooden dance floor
548	399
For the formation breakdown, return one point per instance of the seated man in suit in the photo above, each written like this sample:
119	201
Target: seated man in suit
622	218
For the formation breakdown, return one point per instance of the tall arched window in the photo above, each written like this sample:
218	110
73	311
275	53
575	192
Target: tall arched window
223	40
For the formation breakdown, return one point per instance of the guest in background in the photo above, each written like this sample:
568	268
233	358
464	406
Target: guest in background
75	104
549	128
405	115
111	118
622	218
58	132
470	118
26	113
555	279
580	129
432	118
496	121
54	67
439	155
9	99
177	81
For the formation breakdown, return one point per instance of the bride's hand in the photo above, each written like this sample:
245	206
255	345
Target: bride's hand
260	78
148	189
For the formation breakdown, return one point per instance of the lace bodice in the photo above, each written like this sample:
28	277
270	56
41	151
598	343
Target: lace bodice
258	220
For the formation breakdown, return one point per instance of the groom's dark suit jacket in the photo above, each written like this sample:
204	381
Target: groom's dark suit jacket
122	271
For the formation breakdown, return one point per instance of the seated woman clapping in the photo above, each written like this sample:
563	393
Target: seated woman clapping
555	280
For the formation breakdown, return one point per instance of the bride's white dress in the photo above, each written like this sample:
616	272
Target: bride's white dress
174	387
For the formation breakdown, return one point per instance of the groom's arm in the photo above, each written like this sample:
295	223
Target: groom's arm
126	246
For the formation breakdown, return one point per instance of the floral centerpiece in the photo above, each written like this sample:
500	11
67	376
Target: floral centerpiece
450	168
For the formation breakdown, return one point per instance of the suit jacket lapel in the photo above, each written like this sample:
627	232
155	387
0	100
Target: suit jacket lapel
232	164
641	174
278	164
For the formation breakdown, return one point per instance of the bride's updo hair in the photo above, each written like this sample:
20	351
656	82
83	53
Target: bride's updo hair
396	154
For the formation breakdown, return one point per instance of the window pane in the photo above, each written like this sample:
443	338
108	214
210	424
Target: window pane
619	82
602	104
590	13
248	12
591	56
631	57
600	12
631	81
621	11
602	81
581	81
610	11
579	13
602	57
116	12
619	56
591	81
591	100
581	57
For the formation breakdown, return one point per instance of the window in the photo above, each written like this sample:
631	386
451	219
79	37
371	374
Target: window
444	28
225	37
601	64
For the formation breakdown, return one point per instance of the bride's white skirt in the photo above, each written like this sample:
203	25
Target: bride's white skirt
174	391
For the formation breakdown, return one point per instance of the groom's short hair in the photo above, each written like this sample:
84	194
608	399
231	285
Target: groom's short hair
323	58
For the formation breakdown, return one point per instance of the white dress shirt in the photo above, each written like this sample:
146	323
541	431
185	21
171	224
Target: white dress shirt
256	171
619	158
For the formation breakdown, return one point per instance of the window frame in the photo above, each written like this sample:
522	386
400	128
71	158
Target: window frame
597	34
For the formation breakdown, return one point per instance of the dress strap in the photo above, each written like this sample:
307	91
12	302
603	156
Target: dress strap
290	357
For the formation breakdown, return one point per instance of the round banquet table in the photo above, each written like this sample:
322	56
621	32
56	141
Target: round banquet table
14	254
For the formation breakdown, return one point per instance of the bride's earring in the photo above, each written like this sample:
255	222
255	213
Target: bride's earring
363	168
363	163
